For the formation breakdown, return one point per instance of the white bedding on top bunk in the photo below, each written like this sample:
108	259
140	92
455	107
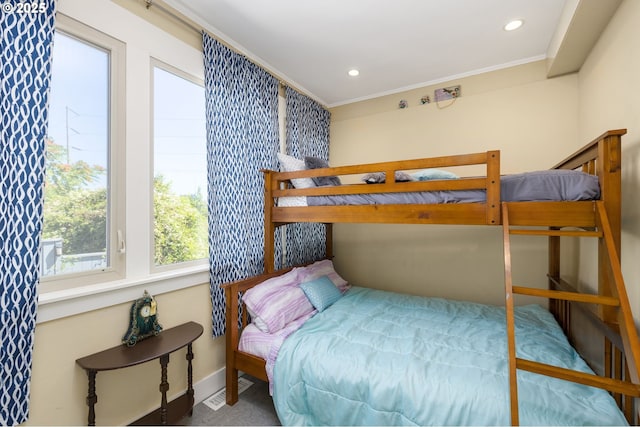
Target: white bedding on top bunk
548	185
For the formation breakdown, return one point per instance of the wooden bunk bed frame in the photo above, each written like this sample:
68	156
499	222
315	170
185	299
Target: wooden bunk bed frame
600	219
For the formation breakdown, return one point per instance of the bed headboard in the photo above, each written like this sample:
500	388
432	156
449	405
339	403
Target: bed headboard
602	157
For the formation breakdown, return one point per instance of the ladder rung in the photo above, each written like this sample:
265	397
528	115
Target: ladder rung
568	296
628	333
571	233
613	385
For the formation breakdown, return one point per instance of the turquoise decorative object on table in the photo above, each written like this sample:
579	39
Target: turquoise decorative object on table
143	320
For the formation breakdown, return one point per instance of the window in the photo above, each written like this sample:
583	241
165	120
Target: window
180	168
81	206
108	63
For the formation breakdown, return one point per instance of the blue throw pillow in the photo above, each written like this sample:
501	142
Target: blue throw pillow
429	174
321	292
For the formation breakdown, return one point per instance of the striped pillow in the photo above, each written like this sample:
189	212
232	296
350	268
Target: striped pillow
276	302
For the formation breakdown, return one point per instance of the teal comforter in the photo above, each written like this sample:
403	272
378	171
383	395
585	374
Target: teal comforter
380	358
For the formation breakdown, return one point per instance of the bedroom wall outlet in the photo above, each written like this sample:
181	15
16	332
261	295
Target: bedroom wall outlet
446	93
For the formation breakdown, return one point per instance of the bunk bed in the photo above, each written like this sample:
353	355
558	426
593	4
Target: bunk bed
597	216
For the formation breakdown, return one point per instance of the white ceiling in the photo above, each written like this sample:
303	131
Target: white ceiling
396	44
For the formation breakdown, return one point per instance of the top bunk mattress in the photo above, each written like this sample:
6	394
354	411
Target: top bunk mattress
547	185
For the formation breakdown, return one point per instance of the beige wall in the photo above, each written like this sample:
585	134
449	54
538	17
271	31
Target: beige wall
531	119
609	87
59	386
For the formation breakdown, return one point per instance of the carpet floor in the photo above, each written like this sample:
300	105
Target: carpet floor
254	408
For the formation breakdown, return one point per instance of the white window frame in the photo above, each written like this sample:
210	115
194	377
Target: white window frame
116	176
156	63
144	41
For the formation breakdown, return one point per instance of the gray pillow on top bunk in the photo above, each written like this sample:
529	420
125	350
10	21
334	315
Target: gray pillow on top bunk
318	163
380	177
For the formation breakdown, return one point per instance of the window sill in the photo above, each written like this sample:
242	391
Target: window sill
58	304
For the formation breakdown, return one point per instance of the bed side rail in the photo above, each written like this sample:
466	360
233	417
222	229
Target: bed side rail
491	159
277	184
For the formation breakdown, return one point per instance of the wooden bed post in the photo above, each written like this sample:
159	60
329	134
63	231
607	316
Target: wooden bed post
558	308
269	227
329	240
609	174
510	319
493	187
231	335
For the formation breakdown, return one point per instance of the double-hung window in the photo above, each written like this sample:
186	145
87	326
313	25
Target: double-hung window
83	230
180	168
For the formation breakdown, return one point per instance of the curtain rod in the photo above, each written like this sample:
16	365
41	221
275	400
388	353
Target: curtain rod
200	31
175	16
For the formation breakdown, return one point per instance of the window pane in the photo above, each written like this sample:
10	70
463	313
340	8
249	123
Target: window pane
75	237
180	170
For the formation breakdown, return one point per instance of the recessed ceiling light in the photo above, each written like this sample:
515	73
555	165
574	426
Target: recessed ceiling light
514	25
354	72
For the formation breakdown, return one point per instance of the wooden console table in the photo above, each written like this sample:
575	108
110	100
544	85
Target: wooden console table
157	347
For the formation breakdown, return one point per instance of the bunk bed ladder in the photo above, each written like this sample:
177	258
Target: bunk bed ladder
617	301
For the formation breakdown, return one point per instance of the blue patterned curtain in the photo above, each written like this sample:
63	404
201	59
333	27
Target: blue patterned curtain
25	58
242	138
307	135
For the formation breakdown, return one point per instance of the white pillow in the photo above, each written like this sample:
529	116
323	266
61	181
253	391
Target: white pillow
284	202
291	164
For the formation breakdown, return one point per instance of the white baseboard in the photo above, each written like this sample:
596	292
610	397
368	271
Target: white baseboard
209	385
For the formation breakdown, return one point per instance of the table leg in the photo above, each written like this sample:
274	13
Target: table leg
92	398
164	387
190	377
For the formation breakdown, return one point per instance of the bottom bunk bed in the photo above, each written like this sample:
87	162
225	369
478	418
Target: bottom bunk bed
381	358
358	356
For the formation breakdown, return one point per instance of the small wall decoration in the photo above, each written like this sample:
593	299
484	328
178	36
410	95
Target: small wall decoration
446	93
403	103
143	320
425	100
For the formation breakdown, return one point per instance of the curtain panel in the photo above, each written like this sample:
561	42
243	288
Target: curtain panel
242	138
307	130
25	58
